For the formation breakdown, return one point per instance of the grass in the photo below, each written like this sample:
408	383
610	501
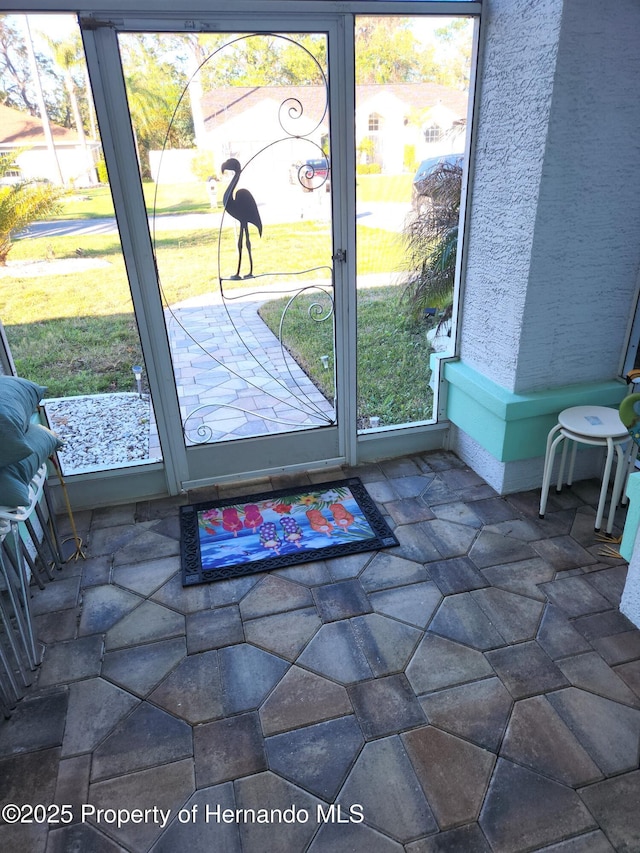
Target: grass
96	203
79	355
75	333
393	354
305	338
283	249
384	187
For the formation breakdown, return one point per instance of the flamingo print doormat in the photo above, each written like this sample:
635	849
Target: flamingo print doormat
273	530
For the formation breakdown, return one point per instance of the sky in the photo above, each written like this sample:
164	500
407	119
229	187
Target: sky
58	26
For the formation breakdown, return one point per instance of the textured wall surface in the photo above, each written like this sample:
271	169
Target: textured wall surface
515	94
553	257
630	602
586	249
554	231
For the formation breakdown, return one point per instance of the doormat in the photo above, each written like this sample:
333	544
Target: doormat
273	530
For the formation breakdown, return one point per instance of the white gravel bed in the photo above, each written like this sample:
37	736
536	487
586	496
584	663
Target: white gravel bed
100	432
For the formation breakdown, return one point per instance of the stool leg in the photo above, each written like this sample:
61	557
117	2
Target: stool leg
552	445
605	483
621	470
572	463
563	460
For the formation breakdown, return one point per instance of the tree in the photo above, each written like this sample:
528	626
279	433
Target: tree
14	68
456	43
431	241
21	204
68	56
159	117
388	51
16	81
263	60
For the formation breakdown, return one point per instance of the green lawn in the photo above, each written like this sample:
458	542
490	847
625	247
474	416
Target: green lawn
283	250
76	334
393	353
96	203
384	187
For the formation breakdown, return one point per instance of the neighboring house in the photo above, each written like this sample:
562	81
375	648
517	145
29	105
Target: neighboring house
22	132
294	123
414	116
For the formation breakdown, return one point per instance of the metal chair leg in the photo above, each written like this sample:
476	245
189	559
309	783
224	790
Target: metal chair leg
5	618
25	602
10	573
52	522
46	533
40	552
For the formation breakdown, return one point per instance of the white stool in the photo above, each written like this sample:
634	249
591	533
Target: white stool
599	426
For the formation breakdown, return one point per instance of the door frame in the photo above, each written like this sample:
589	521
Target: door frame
191	466
99	30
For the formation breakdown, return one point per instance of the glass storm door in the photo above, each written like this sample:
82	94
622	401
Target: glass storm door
267	180
232	135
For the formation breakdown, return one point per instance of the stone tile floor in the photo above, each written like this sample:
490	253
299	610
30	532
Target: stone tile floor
474	689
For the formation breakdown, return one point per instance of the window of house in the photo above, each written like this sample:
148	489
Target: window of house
433	133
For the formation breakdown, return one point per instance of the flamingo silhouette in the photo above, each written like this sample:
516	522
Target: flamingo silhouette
242	206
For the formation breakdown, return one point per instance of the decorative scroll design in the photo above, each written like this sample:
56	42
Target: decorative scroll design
300	127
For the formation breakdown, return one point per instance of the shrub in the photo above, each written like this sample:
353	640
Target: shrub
21	204
101	169
431	241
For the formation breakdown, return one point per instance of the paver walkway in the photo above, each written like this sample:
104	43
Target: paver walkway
234	378
473	690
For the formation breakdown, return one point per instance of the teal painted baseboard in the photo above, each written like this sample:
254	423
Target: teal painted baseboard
515	426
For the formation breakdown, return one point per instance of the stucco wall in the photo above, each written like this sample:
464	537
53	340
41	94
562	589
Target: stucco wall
515	93
630	550
554	230
586	248
553	254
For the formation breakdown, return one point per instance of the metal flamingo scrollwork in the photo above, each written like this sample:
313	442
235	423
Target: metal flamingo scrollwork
242	206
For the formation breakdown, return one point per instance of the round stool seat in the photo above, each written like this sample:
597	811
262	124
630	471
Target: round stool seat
593	421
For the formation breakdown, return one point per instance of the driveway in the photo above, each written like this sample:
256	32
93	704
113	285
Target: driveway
289	208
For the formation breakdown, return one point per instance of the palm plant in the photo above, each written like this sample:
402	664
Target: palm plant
21	204
68	56
431	241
